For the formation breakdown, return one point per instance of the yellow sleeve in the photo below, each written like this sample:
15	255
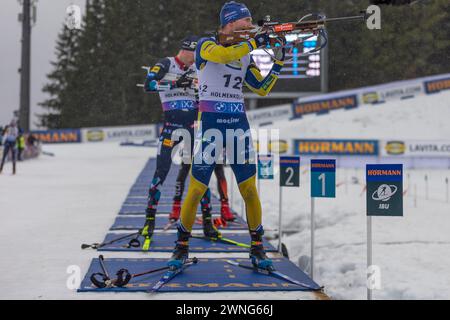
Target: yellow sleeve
211	51
260	85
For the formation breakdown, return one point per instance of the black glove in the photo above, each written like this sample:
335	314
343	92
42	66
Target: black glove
262	40
184	82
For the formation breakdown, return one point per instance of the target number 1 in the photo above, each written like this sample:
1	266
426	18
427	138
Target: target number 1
322	178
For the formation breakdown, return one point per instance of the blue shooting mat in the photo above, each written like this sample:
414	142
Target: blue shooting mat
165	242
136	223
208	275
162	208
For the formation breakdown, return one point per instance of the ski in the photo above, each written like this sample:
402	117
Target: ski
172	273
146	244
273	273
223	240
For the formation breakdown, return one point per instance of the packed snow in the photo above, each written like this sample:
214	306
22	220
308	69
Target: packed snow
56	203
411	251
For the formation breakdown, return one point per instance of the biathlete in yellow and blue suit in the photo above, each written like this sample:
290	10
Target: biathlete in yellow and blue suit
222	72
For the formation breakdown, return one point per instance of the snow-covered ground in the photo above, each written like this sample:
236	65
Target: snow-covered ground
411	251
56	203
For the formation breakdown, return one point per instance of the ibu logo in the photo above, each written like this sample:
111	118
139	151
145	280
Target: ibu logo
384	191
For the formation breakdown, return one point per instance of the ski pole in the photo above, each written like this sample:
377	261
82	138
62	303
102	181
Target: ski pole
106	280
99	245
135	243
124	276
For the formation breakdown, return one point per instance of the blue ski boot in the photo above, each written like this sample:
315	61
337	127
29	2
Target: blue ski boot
181	251
257	252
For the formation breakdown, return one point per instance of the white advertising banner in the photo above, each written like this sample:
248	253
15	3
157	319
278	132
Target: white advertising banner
269	115
407	90
127	133
416	148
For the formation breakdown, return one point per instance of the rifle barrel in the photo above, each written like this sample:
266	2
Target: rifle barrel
360	17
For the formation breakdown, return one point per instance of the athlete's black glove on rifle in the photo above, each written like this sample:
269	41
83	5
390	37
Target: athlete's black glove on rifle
184	82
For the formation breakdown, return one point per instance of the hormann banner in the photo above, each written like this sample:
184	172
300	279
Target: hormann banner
58	136
336	147
415	148
119	133
300	109
434	86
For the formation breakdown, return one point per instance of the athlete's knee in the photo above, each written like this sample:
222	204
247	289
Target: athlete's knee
196	188
248	190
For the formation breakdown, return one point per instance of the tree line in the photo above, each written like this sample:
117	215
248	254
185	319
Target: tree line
94	76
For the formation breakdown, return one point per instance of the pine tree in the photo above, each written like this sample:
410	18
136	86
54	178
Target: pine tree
66	47
94	78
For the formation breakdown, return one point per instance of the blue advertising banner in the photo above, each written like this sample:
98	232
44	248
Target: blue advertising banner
336	147
435	86
58	136
300	109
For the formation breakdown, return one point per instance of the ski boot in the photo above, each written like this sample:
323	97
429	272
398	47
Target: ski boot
176	209
257	252
225	211
149	228
152	202
209	230
181	251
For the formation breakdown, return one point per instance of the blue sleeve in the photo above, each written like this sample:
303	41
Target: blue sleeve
156	73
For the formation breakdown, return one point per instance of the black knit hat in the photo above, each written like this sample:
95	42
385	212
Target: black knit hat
189	43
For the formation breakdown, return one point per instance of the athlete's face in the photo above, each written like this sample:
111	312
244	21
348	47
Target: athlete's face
187	57
241	24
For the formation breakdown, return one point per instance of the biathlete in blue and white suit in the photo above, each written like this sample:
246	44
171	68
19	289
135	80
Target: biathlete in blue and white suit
180	106
9	137
222	72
